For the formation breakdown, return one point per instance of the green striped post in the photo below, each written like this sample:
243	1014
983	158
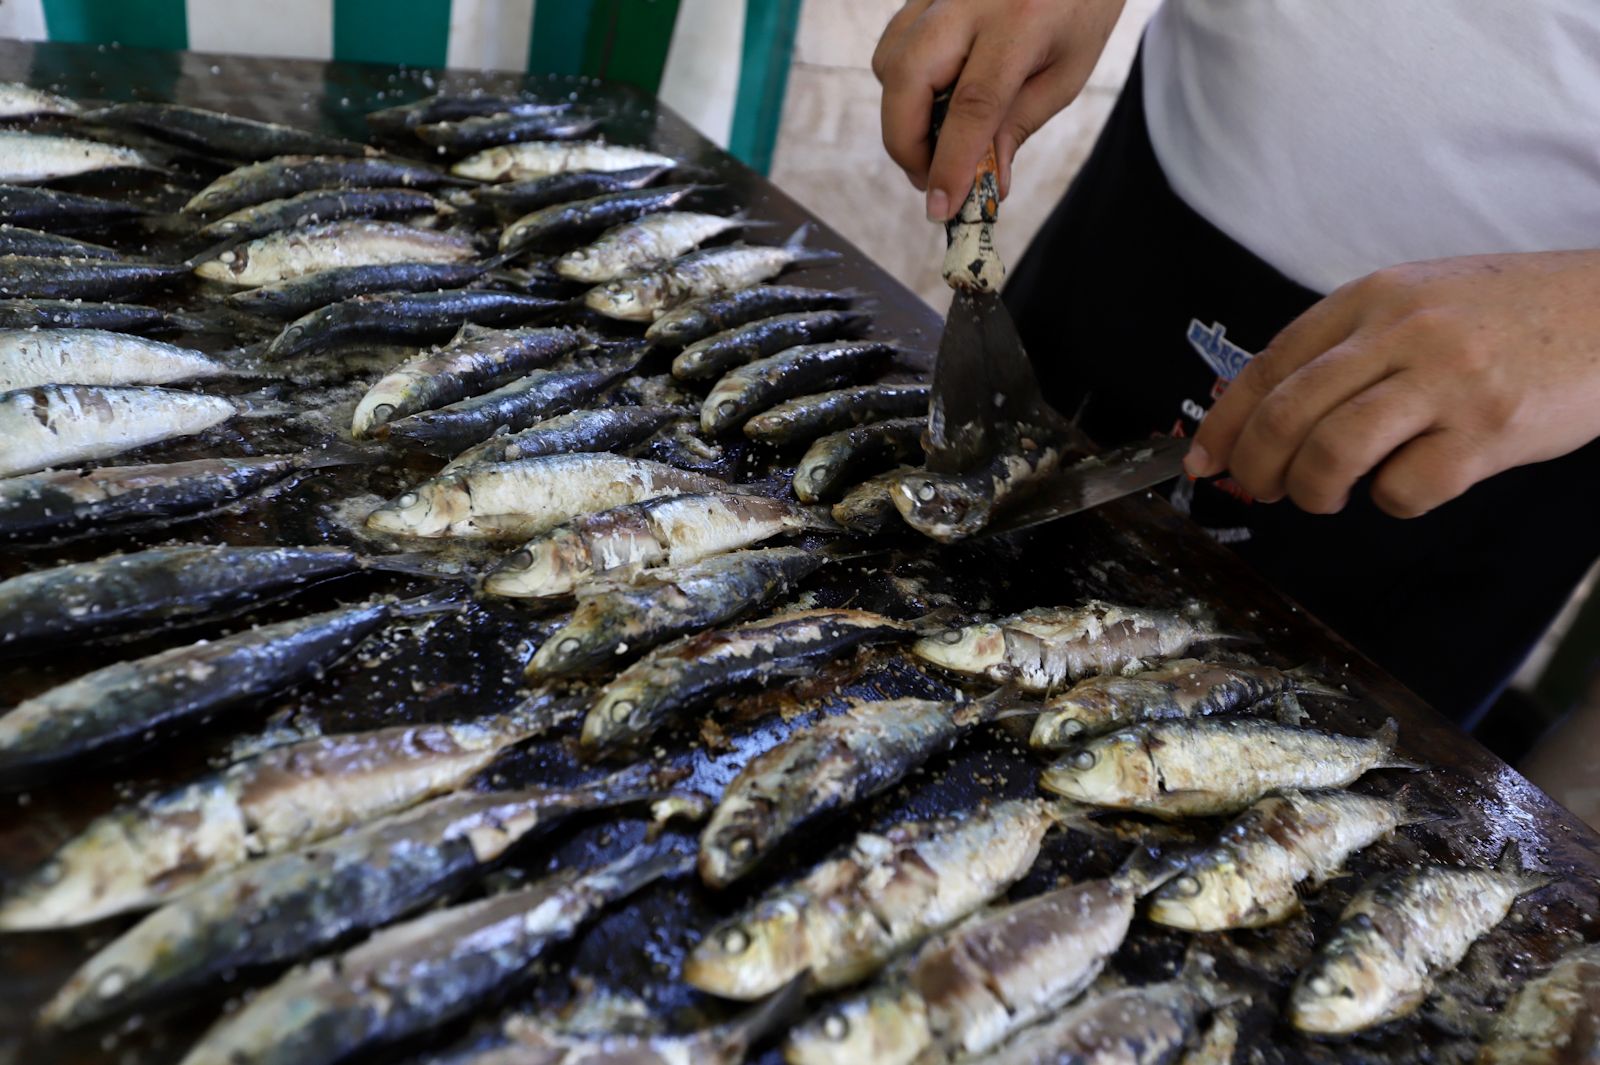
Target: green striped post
769	29
139	23
413	32
560	33
619	40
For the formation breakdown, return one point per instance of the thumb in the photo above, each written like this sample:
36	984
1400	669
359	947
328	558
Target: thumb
988	85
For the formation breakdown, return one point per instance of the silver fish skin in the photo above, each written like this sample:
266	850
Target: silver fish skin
616	619
642	244
1046	648
560	227
1148	1025
477	360
143	589
1247	877
299	296
1551	1020
536	159
1183	688
30	358
215	132
1200	768
669	530
968	989
882	895
26	158
721	352
288	175
162	847
56	277
320	205
62	212
754	387
1399	932
571	382
952	507
16	240
708	315
710	272
595	430
516	500
668	681
414	976
570	186
54	425
866	509
75	314
69	501
808	417
830	766
451	106
478	132
298	252
834	461
23	101
406	317
118	703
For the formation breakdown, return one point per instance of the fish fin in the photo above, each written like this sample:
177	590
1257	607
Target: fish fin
1306	683
795	245
1511	863
1388	734
773	1013
417	564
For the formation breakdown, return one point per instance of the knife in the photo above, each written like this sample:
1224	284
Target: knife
1095	480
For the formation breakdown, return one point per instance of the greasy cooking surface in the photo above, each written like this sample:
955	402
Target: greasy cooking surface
1136	551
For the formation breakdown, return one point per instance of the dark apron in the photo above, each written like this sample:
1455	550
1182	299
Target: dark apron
1137	310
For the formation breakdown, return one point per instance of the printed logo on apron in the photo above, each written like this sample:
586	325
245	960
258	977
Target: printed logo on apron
1226	359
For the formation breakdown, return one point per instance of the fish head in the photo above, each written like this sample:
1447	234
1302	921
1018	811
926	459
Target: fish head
881	1025
738	837
1084	710
753	954
621	718
489	165
582	265
226	266
676	326
970	649
1105	771
429	510
594	634
616	299
1353	983
944	508
1212	891
551	565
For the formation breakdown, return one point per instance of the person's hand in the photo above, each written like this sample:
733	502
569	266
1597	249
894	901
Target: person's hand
1014	64
1435	374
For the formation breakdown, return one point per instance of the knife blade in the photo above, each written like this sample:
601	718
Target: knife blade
1095	480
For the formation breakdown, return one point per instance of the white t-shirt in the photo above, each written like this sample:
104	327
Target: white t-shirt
1335	137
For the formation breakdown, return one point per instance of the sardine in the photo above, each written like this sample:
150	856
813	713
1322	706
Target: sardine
57	278
535	159
1552	1020
808	417
30	358
711	272
1247	878
485	131
951	507
320	205
1148	1025
69	501
571	382
752	388
58	424
1399	933
866	509
672	530
143	589
835	461
297	252
707	315
301	295
15	240
288	905
216	133
26	158
820	770
1043	649
569	185
721	352
475	361
613	619
75	314
412	317
692	671
968	989
288	175
1210	766
452	107
62	212
100	712
23	101
643	244
140	856
415	976
601	429
516	500
562	225
1182	688
886	892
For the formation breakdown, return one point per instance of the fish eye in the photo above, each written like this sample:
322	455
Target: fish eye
1187	886
227	257
383	410
735	940
926	492
569	646
520	560
951	636
51	873
621	708
726	408
1072	728
1084	759
410	499
1320	985
112	982
741	847
818	472
294	331
836	1027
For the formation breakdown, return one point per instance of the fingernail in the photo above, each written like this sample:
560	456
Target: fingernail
1197	463
938	206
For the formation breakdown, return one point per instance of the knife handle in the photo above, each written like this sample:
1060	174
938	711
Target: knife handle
970	259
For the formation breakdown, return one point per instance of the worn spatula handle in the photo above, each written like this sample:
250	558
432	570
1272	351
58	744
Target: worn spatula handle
970	259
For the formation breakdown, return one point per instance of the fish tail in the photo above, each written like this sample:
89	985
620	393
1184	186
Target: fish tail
818	520
340	453
1388	735
1148	867
1305	682
217	319
773	1013
640	867
795	245
1511	863
937	620
640	782
424	606
417	564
